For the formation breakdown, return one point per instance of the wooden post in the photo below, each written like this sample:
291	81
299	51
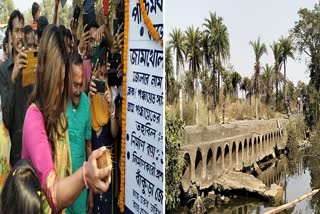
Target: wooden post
291	203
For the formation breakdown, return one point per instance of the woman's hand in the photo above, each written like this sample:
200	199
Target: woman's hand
108	96
118	38
92	86
94	175
84	40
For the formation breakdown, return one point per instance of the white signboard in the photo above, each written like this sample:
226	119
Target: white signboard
145	114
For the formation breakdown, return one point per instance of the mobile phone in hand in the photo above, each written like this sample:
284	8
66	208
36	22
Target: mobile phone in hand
28	74
100	86
76	13
86	21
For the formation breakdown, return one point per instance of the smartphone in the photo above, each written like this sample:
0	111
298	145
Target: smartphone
28	74
100	86
115	25
76	12
96	53
86	21
114	59
113	79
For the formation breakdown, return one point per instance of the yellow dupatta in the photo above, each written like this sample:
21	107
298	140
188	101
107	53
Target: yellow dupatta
62	164
99	112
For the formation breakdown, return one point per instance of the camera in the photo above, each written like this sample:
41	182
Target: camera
100	85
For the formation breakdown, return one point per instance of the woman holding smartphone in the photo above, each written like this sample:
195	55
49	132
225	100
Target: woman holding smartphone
104	123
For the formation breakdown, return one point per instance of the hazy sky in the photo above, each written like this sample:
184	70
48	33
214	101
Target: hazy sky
246	20
23	5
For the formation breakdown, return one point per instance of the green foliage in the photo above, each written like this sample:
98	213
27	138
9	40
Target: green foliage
259	49
193	50
312	106
188	84
6	8
306	36
174	161
176	43
172	87
295	132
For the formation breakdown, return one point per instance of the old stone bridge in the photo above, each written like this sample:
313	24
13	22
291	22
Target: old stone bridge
211	151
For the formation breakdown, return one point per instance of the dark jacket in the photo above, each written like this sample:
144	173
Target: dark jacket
14	100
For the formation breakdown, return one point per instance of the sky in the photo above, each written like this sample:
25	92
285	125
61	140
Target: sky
24	5
246	20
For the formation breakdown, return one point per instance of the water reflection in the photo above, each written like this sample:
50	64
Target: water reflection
296	178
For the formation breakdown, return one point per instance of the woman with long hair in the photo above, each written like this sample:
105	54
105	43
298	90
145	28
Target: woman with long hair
45	137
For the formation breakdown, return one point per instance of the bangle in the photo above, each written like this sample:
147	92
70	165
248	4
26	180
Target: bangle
84	175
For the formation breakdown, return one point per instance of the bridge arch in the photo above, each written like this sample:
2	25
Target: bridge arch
234	155
209	163
198	166
227	158
245	150
186	171
255	147
219	160
240	154
250	149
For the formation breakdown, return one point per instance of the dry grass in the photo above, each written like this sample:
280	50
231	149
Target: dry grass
235	109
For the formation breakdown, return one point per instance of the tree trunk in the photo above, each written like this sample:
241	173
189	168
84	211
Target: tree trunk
214	83
218	89
277	85
256	104
177	67
285	82
291	203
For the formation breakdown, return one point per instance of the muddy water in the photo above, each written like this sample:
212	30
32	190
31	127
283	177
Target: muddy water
296	177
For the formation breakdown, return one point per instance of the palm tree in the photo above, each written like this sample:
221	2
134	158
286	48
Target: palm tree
287	51
267	76
168	70
193	50
245	84
219	46
176	43
259	49
277	54
235	80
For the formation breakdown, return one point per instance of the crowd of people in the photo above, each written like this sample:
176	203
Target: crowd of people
59	119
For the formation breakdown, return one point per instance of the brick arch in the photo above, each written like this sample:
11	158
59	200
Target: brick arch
198	166
209	165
